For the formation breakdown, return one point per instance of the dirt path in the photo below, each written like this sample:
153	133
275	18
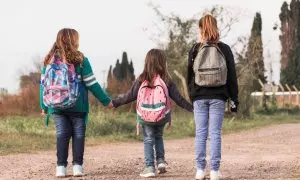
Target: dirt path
268	153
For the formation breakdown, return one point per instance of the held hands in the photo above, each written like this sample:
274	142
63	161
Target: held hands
234	106
110	105
169	126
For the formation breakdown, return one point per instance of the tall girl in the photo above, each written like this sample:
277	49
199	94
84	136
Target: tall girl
212	81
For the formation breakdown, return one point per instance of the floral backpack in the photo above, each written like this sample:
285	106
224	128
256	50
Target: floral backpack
153	102
60	84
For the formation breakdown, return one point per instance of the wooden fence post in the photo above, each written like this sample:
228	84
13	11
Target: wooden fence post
290	94
294	87
282	89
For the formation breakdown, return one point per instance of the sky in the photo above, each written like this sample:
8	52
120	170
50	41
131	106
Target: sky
109	27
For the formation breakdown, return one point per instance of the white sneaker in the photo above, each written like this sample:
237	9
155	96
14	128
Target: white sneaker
77	170
61	171
161	168
148	172
200	175
214	175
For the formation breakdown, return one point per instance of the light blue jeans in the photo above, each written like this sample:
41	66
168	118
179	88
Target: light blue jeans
209	116
153	142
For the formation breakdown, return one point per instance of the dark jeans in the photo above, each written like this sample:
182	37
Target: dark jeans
70	124
153	137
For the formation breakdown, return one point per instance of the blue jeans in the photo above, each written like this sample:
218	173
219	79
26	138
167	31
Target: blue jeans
153	139
70	124
209	116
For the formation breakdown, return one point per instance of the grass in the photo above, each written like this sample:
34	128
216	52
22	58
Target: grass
28	134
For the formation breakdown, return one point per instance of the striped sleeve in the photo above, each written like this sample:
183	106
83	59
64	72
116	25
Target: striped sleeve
92	84
89	79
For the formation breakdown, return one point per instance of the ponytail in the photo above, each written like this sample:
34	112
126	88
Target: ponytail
209	29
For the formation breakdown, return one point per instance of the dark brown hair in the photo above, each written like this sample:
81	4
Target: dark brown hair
66	46
155	64
209	29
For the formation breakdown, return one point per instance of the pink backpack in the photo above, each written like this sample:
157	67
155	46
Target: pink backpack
153	103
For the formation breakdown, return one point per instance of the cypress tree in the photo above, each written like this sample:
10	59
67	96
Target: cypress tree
254	53
131	71
286	34
116	70
124	71
290	41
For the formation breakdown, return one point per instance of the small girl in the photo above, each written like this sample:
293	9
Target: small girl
150	114
71	122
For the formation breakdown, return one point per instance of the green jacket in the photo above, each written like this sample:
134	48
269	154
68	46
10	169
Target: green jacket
89	82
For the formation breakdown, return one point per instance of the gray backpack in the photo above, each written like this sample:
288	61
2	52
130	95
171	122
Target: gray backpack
210	66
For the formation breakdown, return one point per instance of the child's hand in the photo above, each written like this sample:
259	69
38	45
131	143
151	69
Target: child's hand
110	105
169	126
43	113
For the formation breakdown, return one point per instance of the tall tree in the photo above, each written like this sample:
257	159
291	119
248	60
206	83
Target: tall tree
290	42
290	75
131	70
124	71
286	34
120	78
254	53
117	70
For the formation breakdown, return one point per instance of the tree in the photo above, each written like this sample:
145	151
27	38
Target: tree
124	70
255	53
286	34
290	42
117	70
29	79
120	78
131	71
182	33
245	78
290	74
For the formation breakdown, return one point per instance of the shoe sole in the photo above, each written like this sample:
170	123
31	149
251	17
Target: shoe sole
61	176
78	175
200	178
149	175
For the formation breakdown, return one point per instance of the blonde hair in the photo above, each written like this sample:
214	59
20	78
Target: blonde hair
66	46
209	28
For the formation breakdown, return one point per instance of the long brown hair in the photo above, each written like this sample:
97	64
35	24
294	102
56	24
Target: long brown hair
209	28
66	46
155	64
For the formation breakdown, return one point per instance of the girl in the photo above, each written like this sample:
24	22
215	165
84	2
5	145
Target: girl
209	101
71	122
155	65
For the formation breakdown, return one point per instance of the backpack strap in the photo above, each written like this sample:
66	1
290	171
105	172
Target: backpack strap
47	118
195	50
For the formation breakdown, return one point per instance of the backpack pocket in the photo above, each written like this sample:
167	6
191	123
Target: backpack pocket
211	77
